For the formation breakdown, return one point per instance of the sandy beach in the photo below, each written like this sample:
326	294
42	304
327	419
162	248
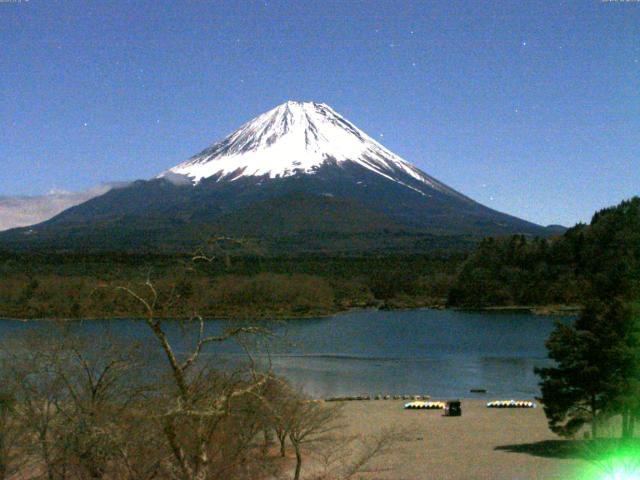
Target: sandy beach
481	444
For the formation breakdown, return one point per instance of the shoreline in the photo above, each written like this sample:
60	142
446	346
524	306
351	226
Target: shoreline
541	310
553	310
374	399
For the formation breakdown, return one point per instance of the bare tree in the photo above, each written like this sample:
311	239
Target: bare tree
199	411
313	429
207	437
309	422
11	435
38	391
347	456
278	402
101	384
71	398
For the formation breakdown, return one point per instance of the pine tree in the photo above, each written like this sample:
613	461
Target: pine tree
597	359
596	368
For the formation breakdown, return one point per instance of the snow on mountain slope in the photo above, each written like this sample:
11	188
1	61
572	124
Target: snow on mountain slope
298	138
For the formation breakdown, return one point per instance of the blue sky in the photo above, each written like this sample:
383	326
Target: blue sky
532	108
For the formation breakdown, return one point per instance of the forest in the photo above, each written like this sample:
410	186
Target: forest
521	271
219	285
219	281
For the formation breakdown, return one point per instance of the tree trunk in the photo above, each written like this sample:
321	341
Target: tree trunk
4	460
625	423
268	440
178	453
298	462
3	466
594	419
43	432
283	446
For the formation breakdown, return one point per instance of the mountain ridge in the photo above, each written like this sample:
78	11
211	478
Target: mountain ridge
303	151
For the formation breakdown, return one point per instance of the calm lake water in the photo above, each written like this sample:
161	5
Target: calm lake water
441	353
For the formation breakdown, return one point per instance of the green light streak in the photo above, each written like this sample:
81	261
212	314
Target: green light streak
613	461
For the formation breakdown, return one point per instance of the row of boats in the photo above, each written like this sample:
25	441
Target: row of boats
438	405
425	405
511	404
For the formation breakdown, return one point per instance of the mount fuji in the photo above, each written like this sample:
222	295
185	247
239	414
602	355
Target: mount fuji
298	138
299	175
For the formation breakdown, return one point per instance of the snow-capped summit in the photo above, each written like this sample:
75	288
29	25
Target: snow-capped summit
298	178
298	138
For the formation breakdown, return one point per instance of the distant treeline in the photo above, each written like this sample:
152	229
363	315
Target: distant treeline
508	271
79	286
520	271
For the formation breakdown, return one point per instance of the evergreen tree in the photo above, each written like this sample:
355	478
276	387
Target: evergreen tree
627	396
597	370
586	380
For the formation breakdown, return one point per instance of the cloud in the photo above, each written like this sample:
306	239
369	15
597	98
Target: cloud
25	211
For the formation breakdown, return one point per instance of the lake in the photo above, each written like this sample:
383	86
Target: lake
442	353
